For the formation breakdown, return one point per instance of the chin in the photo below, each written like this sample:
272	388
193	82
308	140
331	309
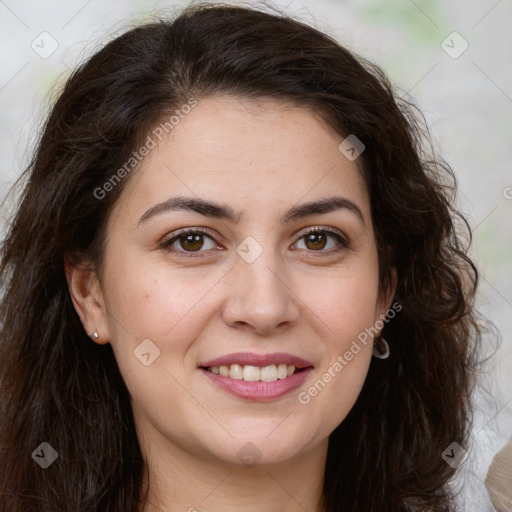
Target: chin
260	448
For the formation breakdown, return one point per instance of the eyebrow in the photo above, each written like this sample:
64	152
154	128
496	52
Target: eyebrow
225	212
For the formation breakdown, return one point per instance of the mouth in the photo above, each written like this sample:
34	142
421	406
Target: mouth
257	377
251	373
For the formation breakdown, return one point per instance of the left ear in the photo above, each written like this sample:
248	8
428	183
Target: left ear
87	298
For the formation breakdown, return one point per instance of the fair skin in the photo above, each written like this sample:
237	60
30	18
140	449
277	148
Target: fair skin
306	299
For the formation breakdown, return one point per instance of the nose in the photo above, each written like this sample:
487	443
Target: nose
259	297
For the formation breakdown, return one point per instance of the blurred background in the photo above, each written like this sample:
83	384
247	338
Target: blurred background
453	58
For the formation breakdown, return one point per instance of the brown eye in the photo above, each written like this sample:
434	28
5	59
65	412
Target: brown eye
317	239
189	241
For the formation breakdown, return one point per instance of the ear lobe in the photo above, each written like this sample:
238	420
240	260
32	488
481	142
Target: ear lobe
87	299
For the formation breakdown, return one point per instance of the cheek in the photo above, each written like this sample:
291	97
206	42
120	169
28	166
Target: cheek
346	303
149	301
345	309
152	323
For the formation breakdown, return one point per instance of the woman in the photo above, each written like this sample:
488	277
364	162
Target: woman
226	216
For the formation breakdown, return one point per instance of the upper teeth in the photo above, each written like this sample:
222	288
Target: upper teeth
253	373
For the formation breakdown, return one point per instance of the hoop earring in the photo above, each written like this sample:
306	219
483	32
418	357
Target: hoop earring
95	335
381	349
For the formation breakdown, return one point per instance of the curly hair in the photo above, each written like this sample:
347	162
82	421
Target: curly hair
57	385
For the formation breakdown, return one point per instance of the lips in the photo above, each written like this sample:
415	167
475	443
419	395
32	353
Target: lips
261	360
225	373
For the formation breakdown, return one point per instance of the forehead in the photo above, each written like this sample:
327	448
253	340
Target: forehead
263	153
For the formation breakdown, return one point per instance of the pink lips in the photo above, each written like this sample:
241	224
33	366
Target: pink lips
248	358
258	390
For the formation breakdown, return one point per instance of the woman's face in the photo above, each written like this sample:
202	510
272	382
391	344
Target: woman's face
255	283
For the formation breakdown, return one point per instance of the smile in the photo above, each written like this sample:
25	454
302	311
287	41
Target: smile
257	377
251	373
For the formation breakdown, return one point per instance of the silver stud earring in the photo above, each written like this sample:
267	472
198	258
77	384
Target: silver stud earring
381	349
95	335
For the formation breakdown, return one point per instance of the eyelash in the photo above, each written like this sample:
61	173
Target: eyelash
203	231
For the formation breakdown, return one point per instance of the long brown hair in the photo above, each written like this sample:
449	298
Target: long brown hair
59	387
